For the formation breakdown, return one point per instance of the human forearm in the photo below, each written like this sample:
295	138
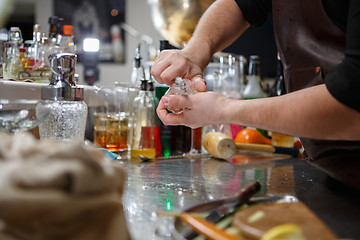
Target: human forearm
310	112
221	24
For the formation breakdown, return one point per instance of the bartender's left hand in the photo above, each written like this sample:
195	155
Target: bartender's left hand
177	63
198	110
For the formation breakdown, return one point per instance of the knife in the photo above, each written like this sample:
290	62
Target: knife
208	229
222	207
293	151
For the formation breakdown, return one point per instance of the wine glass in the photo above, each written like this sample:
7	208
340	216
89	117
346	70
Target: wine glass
20	115
183	87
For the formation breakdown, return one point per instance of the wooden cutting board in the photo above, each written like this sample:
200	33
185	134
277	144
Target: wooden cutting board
275	214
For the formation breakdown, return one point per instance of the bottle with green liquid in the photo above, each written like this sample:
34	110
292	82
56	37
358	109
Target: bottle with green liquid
175	140
253	88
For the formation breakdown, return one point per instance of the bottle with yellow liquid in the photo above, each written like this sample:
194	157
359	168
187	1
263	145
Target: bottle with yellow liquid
143	124
279	139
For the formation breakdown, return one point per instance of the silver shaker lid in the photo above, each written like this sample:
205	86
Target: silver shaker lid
62	85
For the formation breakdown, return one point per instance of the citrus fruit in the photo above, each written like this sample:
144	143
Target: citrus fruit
250	135
284	232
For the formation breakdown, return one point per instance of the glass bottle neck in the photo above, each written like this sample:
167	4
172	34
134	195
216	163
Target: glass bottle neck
253	88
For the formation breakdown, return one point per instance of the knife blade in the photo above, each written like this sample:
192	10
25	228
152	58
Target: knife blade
223	207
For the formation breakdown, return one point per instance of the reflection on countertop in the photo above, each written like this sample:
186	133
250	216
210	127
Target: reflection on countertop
174	185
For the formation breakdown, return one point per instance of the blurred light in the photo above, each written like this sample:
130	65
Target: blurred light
168	204
186	4
114	12
91	45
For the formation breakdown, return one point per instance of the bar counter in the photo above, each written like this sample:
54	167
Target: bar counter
174	185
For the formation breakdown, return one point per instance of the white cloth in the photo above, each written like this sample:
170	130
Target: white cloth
52	190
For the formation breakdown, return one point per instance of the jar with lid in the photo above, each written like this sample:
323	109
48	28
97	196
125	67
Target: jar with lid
68	111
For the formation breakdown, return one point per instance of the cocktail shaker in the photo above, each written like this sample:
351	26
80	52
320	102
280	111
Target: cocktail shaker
68	111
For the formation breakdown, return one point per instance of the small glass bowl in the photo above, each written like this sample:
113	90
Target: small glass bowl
20	115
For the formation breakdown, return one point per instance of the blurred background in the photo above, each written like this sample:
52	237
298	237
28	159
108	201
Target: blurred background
139	17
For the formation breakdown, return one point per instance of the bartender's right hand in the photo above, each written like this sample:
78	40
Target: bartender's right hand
177	63
196	110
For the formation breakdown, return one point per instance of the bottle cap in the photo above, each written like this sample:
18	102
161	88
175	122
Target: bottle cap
15	35
53	20
254	65
37	28
68	30
144	84
62	85
151	86
137	59
115	29
59	27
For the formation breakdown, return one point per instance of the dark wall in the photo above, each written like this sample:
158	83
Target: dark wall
258	41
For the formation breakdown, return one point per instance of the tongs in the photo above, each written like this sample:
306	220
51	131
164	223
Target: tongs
220	208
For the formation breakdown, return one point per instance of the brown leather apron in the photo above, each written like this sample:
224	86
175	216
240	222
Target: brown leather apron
310	46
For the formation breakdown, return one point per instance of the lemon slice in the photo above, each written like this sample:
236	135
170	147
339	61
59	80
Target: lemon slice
284	232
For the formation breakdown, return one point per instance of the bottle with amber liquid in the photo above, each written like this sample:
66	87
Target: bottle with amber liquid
67	42
55	36
143	124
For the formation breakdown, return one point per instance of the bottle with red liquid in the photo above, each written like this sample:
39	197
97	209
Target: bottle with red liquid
157	140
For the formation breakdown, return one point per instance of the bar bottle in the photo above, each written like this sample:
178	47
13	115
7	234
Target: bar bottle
253	88
279	139
143	124
12	62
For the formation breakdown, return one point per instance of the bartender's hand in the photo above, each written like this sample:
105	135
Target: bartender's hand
198	110
171	64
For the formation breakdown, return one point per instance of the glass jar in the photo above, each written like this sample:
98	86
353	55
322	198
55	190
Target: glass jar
66	120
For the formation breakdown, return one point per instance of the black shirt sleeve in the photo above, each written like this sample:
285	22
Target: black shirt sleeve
344	82
255	11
